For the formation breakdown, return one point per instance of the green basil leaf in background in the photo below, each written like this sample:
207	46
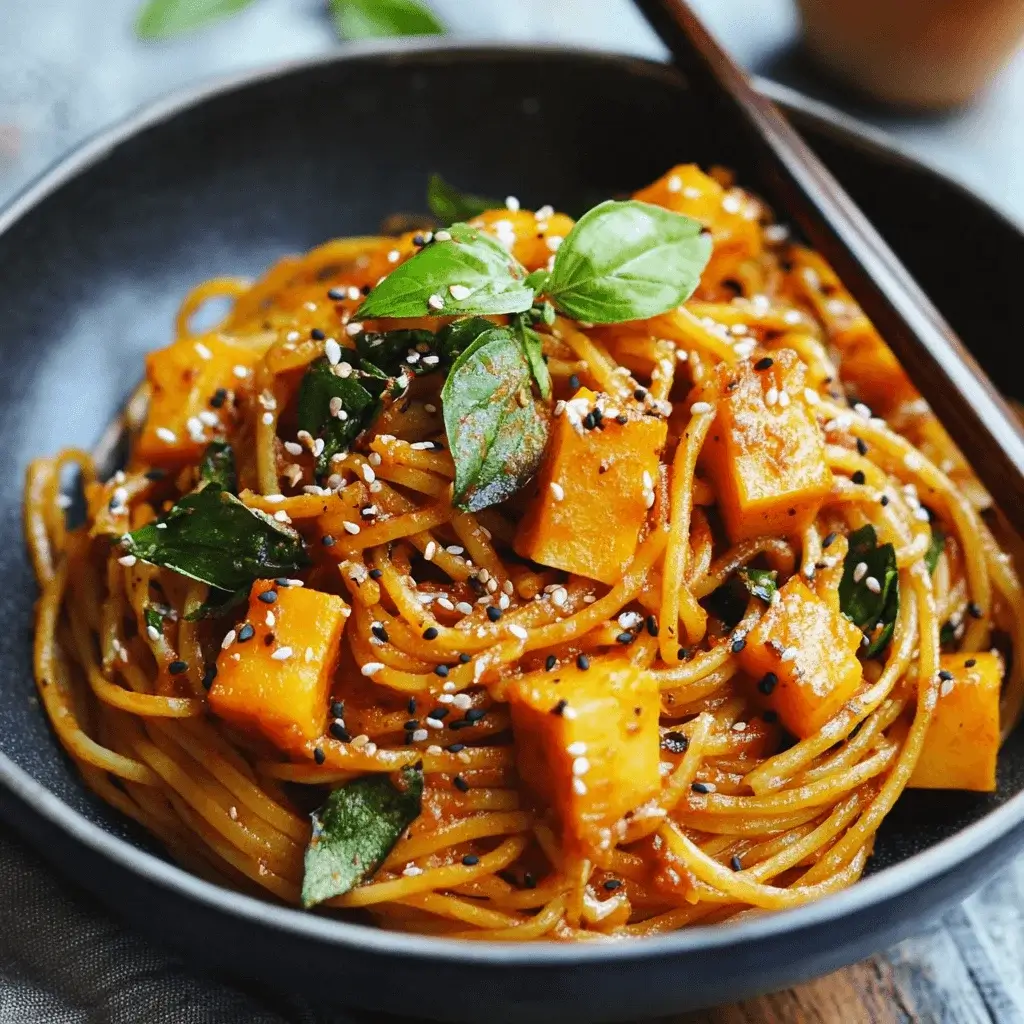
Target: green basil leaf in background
210	536
874	613
935	549
947	634
762	583
627	261
496	430
449	205
161	19
389	351
355	829
373	19
533	347
154	618
538	279
468	259
360	398
218	466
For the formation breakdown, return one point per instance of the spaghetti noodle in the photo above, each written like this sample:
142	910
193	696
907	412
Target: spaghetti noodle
671	678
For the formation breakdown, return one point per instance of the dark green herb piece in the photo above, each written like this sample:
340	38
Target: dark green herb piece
762	583
161	19
947	634
373	19
454	339
496	430
389	351
874	613
355	829
218	466
422	286
210	536
935	549
154	618
218	604
449	205
627	261
533	348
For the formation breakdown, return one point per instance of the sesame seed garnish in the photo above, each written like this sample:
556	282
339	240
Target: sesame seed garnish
128	560
177	667
736	864
582	662
282	654
860	571
576	749
557	491
241	372
700	407
764	364
580	766
446	604
652	625
268	596
441	670
912	461
946	687
435	302
738	644
442	236
858	477
371	668
430	550
246	633
549	664
702	787
768	683
518	631
459	292
318	755
411	871
579	787
788	654
229	639
873	585
352	528
493	613
974	610
165	435
771	396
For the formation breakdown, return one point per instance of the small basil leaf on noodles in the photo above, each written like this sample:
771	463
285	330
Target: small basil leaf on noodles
374	19
869	588
533	348
154	618
212	537
398	352
355	829
761	583
627	261
497	430
161	19
218	466
449	205
935	549
467	272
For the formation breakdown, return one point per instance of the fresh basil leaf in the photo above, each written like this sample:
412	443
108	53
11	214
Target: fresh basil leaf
154	618
496	430
218	603
389	351
762	583
218	466
935	549
210	536
875	613
533	347
627	261
161	19
374	19
460	334
359	393
468	259
947	634
449	205
355	829
538	279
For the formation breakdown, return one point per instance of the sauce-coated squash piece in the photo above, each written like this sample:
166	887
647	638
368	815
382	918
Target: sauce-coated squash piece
589	501
587	743
280	688
962	743
184	379
766	452
802	656
531	239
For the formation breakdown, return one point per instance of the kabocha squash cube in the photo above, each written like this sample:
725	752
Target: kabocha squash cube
183	378
803	657
962	742
766	452
587	743
590	499
280	688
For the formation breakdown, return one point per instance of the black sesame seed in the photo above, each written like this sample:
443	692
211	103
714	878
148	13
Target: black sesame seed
419	241
155	474
475	714
329	541
460	784
674	742
764	364
829	538
768	683
582	662
465	659
622	419
590	420
268	596
652	625
430	633
574	382
974	610
471	860
413	723
945	675
736	864
283	581
411	706
493	613
317	335
218	398
559	708
380	632
375	574
336	294
683	654
858	477
611	884
177	667
208	676
441	670
318	755
625	638
699	787
339	732
246	633
337	709
456	748
884	500
438	714
738	644
366	289
550	662
970	662
529	881
268	640
862	446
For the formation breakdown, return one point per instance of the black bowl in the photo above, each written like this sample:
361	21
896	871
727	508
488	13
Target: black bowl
96	255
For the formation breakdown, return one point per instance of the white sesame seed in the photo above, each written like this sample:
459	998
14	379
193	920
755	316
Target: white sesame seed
166	435
454	549
783	399
516	630
700	407
430	550
353	327
554	242
368	474
946	687
442	236
333	352
913	461
446	604
462	701
309	655
433	723
576	749
921	515
627	620
771	396
344	369
788	654
731	203
128	560
318	447
503	602
208	418
268	419
422	446
860	571
271	619
739	726
241	372
675	183
862	410
580	766
394	256
464	608
411	871
559	596
811	397
419	735
153	633
511	203
557	491
352	528
435	302
459	292
282	654
873	585
692	193
282	517
229	639
578	785
273	499
202	351
371	668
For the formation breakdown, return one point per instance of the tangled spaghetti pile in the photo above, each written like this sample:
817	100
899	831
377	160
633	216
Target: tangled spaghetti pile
620	624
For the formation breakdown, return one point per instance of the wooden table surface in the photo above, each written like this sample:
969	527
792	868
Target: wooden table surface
67	69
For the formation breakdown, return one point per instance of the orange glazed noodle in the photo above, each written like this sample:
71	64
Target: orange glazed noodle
707	605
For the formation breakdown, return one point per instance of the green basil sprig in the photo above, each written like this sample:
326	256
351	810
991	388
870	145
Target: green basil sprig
874	613
761	583
161	19
451	206
373	19
935	549
496	431
354	831
211	536
218	466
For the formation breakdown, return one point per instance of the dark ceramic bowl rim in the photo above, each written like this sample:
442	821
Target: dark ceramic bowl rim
889	883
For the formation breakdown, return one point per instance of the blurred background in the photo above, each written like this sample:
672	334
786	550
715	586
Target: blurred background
69	67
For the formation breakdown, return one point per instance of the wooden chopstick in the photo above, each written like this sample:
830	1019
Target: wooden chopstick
796	182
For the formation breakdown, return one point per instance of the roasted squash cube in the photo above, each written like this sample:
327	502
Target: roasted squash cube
590	499
803	657
277	682
767	460
868	364
532	240
587	743
182	379
962	741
